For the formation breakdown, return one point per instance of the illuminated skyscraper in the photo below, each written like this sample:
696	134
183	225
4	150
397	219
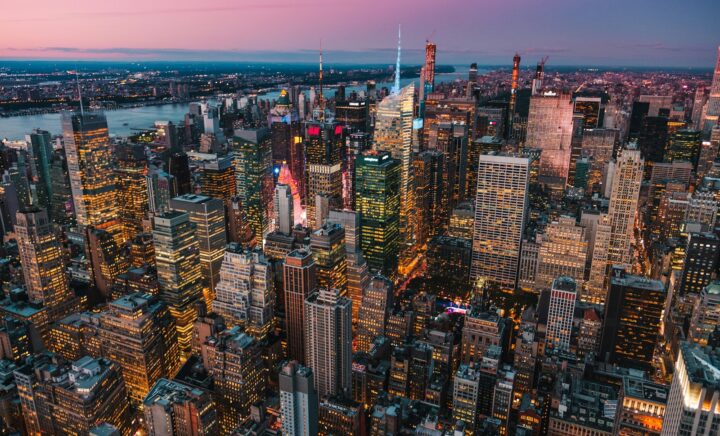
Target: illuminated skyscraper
633	315
549	128
327	245
245	296
253	178
324	188
284	214
131	174
233	358
427	74
177	256
208	215
328	341
563	296
692	407
138	332
107	260
299	279
378	202
376	303
624	196
217	177
500	210
712	107
563	252
40	151
298	400
92	180
172	407
42	259
393	134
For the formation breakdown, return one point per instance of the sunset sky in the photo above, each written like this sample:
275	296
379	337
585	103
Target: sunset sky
609	32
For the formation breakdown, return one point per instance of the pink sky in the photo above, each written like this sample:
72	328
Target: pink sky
484	31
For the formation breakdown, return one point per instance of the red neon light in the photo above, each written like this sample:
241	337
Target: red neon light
314	130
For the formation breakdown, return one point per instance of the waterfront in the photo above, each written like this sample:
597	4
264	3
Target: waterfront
124	122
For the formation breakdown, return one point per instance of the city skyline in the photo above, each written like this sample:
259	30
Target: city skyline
569	32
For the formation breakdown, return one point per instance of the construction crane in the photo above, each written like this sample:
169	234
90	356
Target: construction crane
539	75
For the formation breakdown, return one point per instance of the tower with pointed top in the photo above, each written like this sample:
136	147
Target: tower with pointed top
513	92
396	85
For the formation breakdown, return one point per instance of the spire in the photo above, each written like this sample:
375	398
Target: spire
396	86
321	99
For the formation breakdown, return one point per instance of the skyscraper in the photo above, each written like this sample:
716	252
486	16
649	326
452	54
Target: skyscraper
208	215
132	188
284	215
42	260
327	245
500	208
245	294
632	320
172	407
107	259
624	195
253	178
712	107
563	296
563	252
233	359
427	74
299	279
89	158
40	153
393	134
692	407
323	169
549	128
138	332
378	202
298	400
377	301
177	256
328	341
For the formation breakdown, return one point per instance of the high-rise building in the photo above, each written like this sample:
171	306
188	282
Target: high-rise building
299	279
393	134
233	359
245	294
549	128
327	245
73	399
377	302
323	169
92	180
341	415
633	313
177	257
482	330
378	202
427	74
705	315
500	210
298	400
61	194
684	145
712	108
217	177
466	391
76	336
642	408
692	407
42	259
624	196
107	259
328	341
162	187
208	215
563	296
172	407
132	188
253	177
562	252
284	214
700	263
138	333
40	151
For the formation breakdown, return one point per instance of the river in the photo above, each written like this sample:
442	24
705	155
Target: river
124	122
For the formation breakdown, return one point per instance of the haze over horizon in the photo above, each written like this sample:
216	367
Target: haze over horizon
570	32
